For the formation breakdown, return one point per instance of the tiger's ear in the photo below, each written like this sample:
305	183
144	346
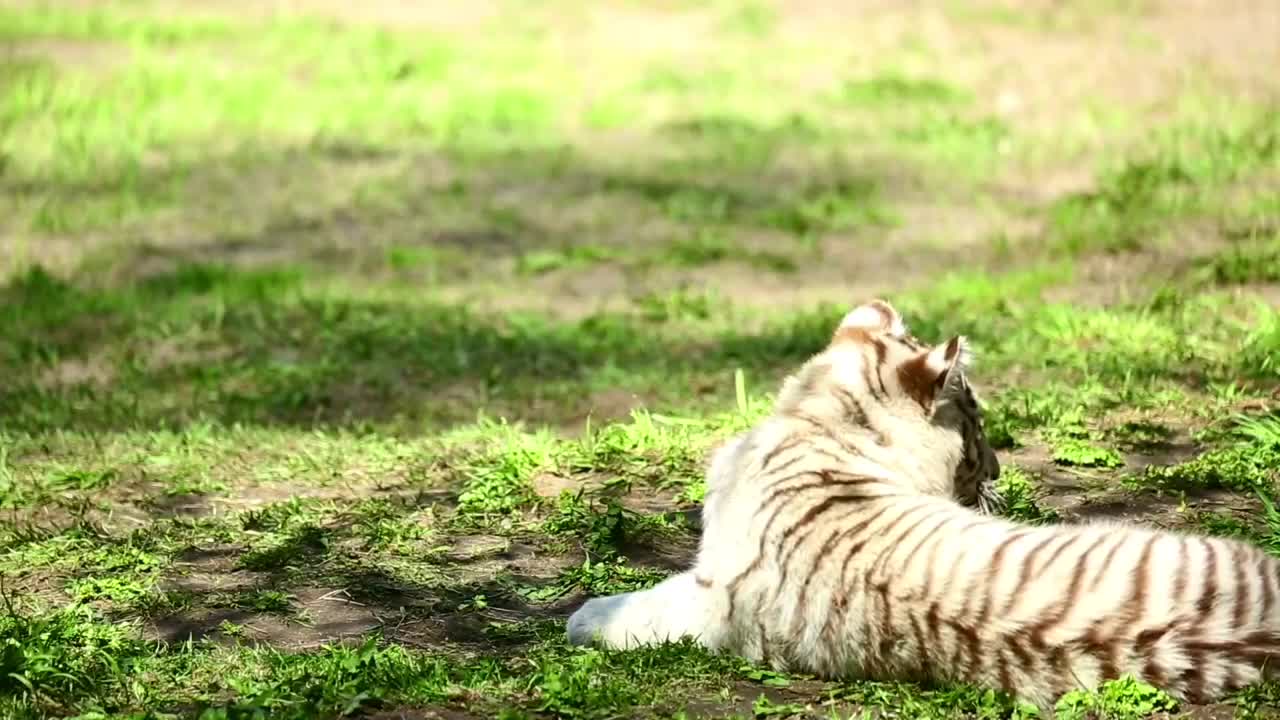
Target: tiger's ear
874	316
929	376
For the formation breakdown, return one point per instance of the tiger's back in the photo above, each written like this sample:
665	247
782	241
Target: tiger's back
924	589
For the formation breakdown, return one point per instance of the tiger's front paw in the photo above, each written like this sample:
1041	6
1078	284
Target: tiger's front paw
592	621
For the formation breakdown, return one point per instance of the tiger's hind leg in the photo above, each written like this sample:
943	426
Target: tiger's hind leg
678	607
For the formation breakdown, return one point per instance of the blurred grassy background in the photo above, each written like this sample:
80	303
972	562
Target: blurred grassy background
673	160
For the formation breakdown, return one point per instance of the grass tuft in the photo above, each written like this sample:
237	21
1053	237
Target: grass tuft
1122	699
1187	172
1021	498
1246	465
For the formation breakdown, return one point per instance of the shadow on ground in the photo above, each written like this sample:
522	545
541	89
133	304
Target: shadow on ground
487	592
246	346
208	320
304	573
402	212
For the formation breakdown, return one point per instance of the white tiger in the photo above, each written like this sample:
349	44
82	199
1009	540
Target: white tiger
833	545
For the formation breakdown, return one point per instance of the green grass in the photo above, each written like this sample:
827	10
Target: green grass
57	657
400	490
1123	699
342	356
1020	496
1255	259
1246	463
482	478
1188	171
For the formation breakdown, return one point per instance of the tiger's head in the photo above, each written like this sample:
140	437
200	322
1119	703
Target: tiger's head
913	397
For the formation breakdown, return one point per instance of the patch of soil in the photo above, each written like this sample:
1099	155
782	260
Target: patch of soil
1107	279
151	500
1268	292
550	485
422	714
261	494
531	564
212	569
474	628
394	13
473	547
605	407
1085	494
739	698
1038	459
320	616
175	353
855	268
99	57
670	554
75	372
